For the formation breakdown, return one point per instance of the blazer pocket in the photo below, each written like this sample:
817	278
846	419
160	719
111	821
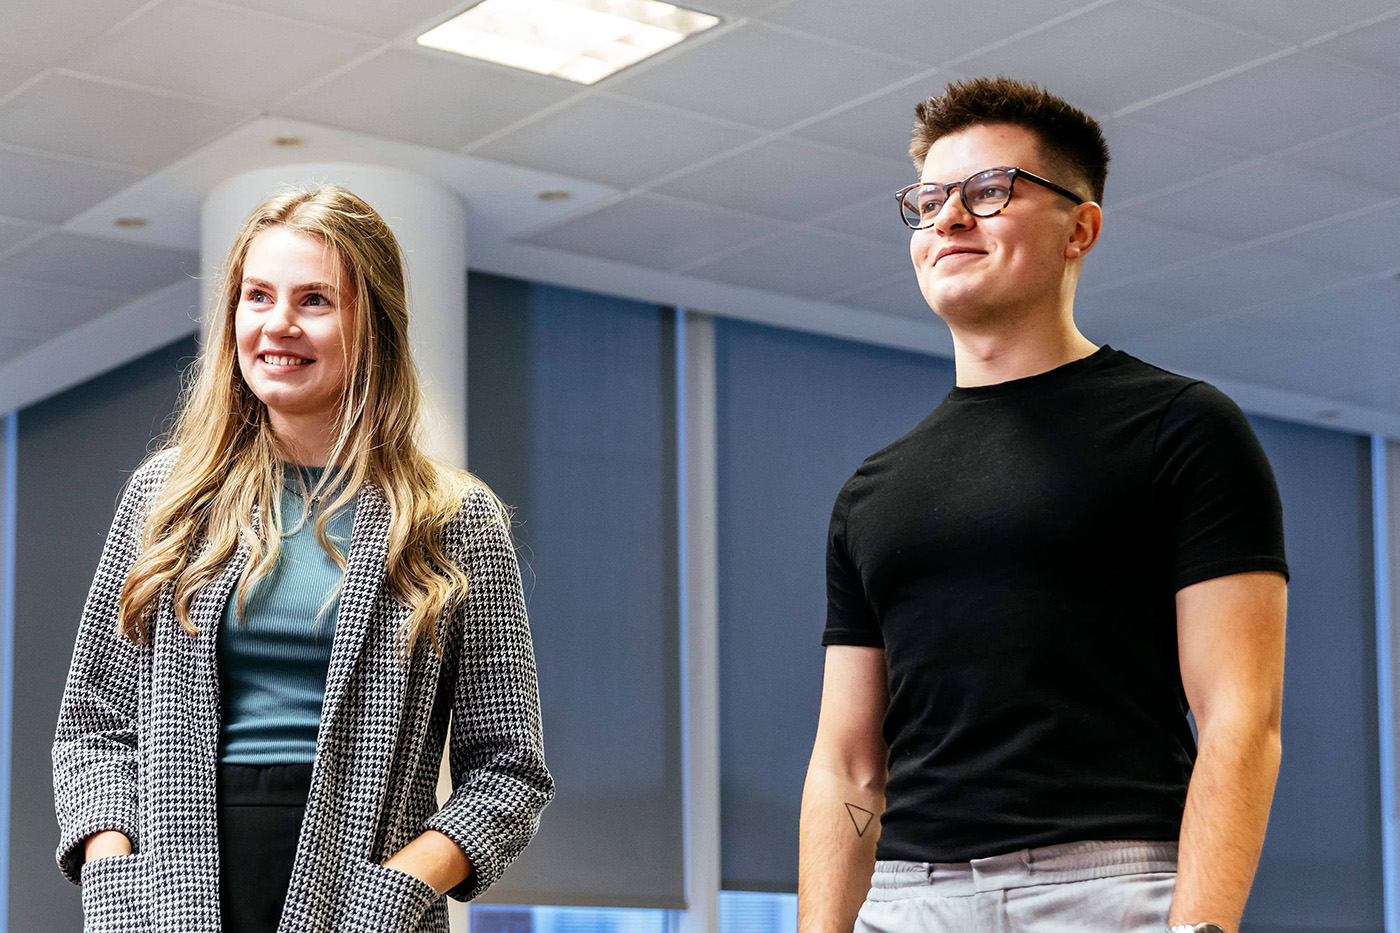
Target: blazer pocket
114	894
385	900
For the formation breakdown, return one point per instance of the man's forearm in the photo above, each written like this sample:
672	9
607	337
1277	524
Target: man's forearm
1227	812
836	851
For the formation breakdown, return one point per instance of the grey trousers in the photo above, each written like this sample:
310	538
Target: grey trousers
1079	887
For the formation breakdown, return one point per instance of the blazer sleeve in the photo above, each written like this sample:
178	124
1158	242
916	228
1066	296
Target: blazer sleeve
496	747
94	750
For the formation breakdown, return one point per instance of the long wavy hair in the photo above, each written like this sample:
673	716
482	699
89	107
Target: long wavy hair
224	488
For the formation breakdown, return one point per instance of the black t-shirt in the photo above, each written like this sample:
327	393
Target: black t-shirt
1017	556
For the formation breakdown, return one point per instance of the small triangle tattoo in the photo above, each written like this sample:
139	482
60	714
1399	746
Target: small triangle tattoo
862	822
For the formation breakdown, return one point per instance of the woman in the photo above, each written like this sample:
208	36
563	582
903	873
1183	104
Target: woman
292	600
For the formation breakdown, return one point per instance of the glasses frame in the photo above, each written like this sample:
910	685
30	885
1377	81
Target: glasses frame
1010	170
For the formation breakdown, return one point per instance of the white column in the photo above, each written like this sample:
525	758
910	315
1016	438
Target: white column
700	619
430	224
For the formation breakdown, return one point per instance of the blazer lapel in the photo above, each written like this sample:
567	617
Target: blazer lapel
364	573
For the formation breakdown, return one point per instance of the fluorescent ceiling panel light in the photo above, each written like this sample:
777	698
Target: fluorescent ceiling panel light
580	40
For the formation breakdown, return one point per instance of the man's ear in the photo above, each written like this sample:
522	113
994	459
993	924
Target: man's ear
1088	221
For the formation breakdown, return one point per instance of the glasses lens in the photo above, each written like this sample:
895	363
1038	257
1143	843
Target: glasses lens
987	192
922	204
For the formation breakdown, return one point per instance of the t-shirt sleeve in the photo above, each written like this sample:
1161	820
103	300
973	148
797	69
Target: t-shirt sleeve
849	619
1220	502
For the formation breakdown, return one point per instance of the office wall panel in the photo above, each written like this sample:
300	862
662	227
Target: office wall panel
796	415
1321	868
571	419
75	452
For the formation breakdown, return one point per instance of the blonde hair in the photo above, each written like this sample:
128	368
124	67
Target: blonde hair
229	467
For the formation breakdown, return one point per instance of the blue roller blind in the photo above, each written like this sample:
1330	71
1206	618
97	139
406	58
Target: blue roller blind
1321	868
571	419
75	453
796	414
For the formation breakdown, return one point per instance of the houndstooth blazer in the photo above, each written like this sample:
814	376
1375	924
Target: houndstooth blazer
137	742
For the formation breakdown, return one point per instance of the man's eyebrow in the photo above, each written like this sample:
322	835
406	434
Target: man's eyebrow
308	287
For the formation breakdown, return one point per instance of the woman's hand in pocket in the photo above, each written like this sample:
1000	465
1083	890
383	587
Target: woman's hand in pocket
106	843
433	859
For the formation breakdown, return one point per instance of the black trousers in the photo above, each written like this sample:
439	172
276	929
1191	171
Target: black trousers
260	810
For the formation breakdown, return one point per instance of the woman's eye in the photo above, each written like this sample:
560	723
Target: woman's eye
315	299
254	295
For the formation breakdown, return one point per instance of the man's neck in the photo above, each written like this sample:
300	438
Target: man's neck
1028	348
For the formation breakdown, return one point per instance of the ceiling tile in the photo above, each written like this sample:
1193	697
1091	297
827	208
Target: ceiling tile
615	141
737	7
208	51
808	263
436	99
1272	359
1375	46
657	232
1120	316
1212	348
880	126
900	297
799	77
1225	284
790	180
1130	245
873	219
1324	370
1369	243
94	120
1367	155
44	311
14	232
110	266
1294	21
51	190
1257	200
14	345
1136	52
914	29
1367	308
1281	103
1145	159
1385	396
369	17
51	31
15	70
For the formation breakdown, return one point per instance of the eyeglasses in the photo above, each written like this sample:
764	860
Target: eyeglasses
984	194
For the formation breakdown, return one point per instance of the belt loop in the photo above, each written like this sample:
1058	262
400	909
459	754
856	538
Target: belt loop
1027	859
928	872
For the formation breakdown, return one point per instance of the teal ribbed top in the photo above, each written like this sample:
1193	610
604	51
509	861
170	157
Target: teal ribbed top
272	667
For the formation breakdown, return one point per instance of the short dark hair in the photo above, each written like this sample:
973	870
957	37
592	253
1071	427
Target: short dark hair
1068	136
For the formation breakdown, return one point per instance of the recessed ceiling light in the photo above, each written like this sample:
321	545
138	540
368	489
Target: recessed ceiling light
553	195
579	40
130	222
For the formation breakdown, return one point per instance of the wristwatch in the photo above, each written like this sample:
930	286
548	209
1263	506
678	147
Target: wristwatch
1195	928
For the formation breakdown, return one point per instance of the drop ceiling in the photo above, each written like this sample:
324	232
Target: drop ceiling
1253	207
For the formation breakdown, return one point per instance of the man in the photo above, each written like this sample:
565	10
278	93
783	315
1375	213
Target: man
1027	591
